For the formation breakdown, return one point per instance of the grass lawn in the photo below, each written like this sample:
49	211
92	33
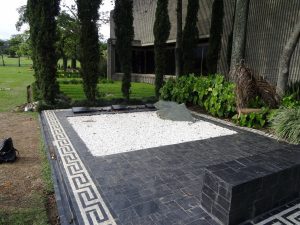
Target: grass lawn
13	83
14	79
109	91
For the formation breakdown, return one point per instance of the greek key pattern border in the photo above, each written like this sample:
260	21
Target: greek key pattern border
289	216
90	203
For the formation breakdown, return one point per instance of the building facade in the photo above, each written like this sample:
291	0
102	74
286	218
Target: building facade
270	23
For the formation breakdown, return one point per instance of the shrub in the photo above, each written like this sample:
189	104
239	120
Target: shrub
221	98
183	91
290	101
68	74
212	93
254	119
286	124
166	90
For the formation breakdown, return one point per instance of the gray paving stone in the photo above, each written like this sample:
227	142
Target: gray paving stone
163	185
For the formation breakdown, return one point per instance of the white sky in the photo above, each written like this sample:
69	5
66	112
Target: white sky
9	16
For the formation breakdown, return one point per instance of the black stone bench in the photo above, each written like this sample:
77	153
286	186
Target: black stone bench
242	189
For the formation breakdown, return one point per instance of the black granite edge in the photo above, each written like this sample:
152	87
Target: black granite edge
257	174
268	163
69	113
65	206
84	151
271	213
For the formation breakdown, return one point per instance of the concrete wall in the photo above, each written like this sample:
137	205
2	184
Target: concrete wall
270	24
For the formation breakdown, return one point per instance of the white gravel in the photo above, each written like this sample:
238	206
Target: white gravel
116	133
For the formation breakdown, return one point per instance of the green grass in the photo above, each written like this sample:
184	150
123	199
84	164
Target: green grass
14	62
17	78
14	81
109	91
36	215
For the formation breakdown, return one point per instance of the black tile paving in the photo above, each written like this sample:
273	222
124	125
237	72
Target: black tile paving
163	185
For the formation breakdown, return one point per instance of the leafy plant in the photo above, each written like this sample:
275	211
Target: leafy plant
166	90
221	98
290	101
183	91
212	93
286	124
253	119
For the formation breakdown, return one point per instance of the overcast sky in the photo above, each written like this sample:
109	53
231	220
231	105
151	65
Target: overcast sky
9	17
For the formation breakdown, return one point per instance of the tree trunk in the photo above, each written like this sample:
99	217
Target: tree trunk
239	34
215	37
178	50
19	61
3	63
65	62
73	63
285	59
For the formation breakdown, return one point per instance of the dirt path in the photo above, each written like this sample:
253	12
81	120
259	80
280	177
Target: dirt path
21	182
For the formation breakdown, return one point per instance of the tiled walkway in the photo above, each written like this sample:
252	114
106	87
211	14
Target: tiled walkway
154	186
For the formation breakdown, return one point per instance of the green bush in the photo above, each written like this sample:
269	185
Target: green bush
212	93
166	90
68	74
286	124
290	101
221	97
254	119
71	81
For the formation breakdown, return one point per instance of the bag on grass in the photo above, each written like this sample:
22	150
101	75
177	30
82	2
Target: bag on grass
7	151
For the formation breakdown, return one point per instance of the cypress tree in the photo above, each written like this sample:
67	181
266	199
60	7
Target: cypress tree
123	18
41	18
89	46
215	37
229	41
178	48
161	32
190	36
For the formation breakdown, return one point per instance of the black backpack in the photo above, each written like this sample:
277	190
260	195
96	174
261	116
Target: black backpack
7	151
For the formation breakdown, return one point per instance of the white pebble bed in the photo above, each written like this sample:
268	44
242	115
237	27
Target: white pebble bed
108	134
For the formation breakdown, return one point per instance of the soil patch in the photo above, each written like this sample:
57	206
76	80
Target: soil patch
21	183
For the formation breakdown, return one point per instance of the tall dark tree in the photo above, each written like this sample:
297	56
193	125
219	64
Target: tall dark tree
190	36
41	17
229	41
123	18
239	34
178	50
161	32
285	60
215	37
1	51
89	46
